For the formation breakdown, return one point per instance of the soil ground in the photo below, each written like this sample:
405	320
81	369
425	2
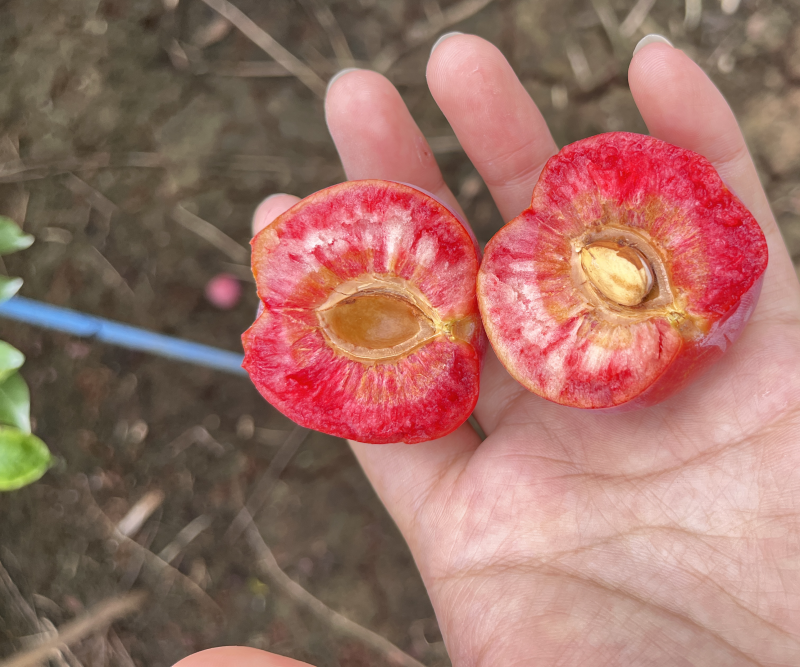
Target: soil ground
115	112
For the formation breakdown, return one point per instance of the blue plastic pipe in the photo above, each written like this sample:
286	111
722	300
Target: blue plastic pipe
79	324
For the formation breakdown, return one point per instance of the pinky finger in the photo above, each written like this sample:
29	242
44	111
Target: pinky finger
271	208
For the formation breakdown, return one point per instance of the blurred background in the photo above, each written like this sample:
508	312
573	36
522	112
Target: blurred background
136	139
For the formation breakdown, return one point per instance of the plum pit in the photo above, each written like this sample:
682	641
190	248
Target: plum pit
376	323
617	271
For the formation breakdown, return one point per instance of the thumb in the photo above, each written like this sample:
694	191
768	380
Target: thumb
238	656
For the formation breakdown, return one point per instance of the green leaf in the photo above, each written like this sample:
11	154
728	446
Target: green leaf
10	359
12	238
23	458
15	403
9	287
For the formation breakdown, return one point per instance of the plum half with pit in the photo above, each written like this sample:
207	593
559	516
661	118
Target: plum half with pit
632	270
369	327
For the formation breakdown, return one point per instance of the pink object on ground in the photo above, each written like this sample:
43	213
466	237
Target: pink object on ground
223	291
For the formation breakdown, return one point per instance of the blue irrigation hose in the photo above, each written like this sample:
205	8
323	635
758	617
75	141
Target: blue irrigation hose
79	324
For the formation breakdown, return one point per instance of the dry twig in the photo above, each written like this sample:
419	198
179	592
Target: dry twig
241	271
212	234
694	12
326	18
195	435
99	616
211	33
119	649
17	171
579	64
62	657
633	21
141	511
421	32
246	69
608	18
97	200
265	484
161	567
108	271
190	531
269	568
267	43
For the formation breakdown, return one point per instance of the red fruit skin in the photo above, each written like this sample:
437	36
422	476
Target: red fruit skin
542	328
339	234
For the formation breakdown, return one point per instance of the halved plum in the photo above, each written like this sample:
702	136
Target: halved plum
370	327
632	270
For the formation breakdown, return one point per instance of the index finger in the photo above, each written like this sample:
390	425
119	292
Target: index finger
497	123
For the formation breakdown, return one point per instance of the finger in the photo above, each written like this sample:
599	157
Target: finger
271	208
239	656
494	118
376	136
681	105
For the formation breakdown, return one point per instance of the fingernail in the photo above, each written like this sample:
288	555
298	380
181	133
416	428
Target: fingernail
651	39
446	35
339	75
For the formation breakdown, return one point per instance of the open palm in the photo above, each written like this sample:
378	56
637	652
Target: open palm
665	536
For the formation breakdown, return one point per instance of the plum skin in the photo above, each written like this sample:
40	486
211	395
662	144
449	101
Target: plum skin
387	236
569	349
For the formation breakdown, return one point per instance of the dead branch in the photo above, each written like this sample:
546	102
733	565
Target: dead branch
423	31
19	603
211	33
94	198
195	435
98	617
158	565
63	657
119	649
633	21
109	273
693	15
187	534
17	171
608	18
241	271
326	18
267	43
141	511
580	65
264	486
246	69
212	234
268	567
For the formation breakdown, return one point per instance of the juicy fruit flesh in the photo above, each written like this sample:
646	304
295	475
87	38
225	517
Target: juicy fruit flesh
370	327
618	272
556	317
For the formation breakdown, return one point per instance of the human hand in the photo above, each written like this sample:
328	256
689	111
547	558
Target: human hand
663	536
